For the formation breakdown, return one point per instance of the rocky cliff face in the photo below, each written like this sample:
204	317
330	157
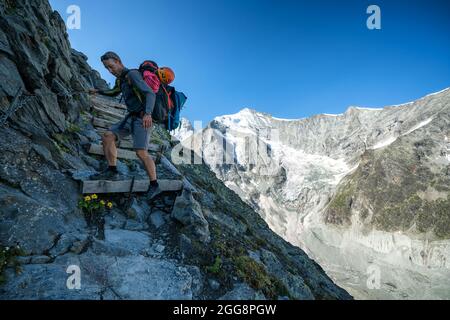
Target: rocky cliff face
203	242
361	190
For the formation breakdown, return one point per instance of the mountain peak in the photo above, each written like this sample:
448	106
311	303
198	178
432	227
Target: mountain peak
248	110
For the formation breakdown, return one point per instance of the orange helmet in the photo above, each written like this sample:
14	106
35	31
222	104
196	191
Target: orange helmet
166	75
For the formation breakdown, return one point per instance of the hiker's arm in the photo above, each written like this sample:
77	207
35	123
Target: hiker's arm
150	97
112	92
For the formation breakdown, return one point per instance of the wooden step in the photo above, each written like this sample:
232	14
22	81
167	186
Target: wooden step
108	119
110	113
98	99
123	186
102	123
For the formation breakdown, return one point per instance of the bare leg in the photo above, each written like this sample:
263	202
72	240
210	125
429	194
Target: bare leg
109	148
148	162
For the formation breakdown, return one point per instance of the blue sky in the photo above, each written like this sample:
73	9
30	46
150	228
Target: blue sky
289	58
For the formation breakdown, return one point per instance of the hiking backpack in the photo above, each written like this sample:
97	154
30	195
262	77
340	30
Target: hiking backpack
169	102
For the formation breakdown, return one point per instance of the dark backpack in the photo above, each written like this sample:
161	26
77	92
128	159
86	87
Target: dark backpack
169	102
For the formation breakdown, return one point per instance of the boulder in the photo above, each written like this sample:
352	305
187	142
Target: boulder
189	212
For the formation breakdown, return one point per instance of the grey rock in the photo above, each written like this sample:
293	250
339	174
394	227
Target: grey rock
271	262
160	248
79	246
255	256
293	283
74	162
40	259
91	134
197	280
65	243
188	185
115	220
185	244
45	154
4	44
133	225
225	220
137	211
56	119
24	219
122	168
157	219
128	278
189	212
213	284
95	164
46	282
78	55
168	201
22	167
9	77
84	141
121	243
23	260
150	279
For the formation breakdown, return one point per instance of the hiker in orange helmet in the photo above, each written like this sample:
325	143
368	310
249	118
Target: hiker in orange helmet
137	123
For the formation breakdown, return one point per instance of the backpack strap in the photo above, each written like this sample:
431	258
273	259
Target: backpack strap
169	97
136	91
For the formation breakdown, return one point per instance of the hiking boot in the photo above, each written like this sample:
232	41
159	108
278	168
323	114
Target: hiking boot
153	191
107	174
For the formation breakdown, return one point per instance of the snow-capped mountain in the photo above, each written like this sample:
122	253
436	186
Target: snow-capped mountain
366	193
184	131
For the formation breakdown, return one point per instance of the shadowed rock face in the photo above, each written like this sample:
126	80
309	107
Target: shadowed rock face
184	245
369	186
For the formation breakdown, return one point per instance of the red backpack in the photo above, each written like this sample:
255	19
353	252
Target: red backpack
149	71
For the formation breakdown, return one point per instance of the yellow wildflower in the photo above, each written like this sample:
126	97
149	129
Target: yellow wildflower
94	197
110	205
87	198
102	202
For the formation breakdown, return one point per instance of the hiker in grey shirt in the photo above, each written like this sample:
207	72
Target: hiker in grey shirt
140	101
